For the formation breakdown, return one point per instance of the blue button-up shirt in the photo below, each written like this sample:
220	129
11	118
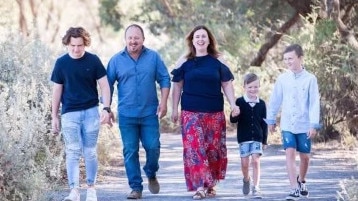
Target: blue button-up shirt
136	81
298	95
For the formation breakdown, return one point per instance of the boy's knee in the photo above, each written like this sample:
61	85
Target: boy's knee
90	153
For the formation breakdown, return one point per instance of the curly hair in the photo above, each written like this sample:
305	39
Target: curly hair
76	32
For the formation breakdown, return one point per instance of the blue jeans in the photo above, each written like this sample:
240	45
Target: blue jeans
80	131
298	141
145	130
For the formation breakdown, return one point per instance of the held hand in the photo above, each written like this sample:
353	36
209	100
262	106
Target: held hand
264	146
161	111
311	133
272	128
174	116
235	111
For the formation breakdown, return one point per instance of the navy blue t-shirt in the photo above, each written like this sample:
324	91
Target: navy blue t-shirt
79	79
202	77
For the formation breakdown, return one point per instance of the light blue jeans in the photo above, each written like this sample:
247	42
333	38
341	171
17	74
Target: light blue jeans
146	131
80	130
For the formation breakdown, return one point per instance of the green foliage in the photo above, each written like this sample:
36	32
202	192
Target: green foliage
334	65
239	26
324	29
110	14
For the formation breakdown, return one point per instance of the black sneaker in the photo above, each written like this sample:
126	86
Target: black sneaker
294	195
303	188
246	187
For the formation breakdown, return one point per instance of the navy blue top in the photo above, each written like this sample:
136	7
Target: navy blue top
79	79
250	122
202	78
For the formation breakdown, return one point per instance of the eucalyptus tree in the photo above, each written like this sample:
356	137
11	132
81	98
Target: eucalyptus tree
249	29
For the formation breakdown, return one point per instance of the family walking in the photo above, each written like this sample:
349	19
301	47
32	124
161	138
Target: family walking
200	82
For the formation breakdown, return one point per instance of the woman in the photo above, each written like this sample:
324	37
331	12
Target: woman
198	80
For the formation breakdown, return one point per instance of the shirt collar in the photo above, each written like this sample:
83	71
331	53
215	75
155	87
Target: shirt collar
296	75
251	101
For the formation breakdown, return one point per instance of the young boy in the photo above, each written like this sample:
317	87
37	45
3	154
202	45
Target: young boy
297	91
251	132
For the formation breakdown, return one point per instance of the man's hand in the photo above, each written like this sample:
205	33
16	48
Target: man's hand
162	110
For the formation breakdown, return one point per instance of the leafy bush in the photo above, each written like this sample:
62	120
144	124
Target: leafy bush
30	157
333	62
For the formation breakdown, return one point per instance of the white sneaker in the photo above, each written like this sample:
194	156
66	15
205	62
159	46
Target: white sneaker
73	196
303	188
256	192
294	195
91	194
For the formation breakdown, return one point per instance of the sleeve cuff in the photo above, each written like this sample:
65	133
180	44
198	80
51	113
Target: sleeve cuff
270	122
315	126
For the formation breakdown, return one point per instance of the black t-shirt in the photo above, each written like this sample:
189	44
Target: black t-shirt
79	79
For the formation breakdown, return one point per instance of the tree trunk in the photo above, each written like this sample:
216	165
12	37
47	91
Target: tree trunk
302	7
261	55
346	34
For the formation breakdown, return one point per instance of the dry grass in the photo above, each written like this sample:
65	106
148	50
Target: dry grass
349	190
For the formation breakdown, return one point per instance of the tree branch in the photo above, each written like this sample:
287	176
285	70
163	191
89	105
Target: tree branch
261	55
346	34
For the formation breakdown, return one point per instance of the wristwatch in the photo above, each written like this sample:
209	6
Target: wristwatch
108	109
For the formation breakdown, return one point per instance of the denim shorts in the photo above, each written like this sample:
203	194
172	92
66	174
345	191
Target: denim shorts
299	141
249	148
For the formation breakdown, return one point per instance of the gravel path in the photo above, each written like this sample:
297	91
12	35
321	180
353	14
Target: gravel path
327	169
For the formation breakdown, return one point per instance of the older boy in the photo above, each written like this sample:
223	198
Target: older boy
297	92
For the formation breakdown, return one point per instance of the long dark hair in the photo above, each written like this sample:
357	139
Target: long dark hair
212	49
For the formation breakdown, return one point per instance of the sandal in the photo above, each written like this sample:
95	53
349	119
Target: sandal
211	192
199	195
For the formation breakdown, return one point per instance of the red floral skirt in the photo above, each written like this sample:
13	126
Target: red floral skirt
204	148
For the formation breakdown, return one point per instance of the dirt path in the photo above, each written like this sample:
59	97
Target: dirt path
328	167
